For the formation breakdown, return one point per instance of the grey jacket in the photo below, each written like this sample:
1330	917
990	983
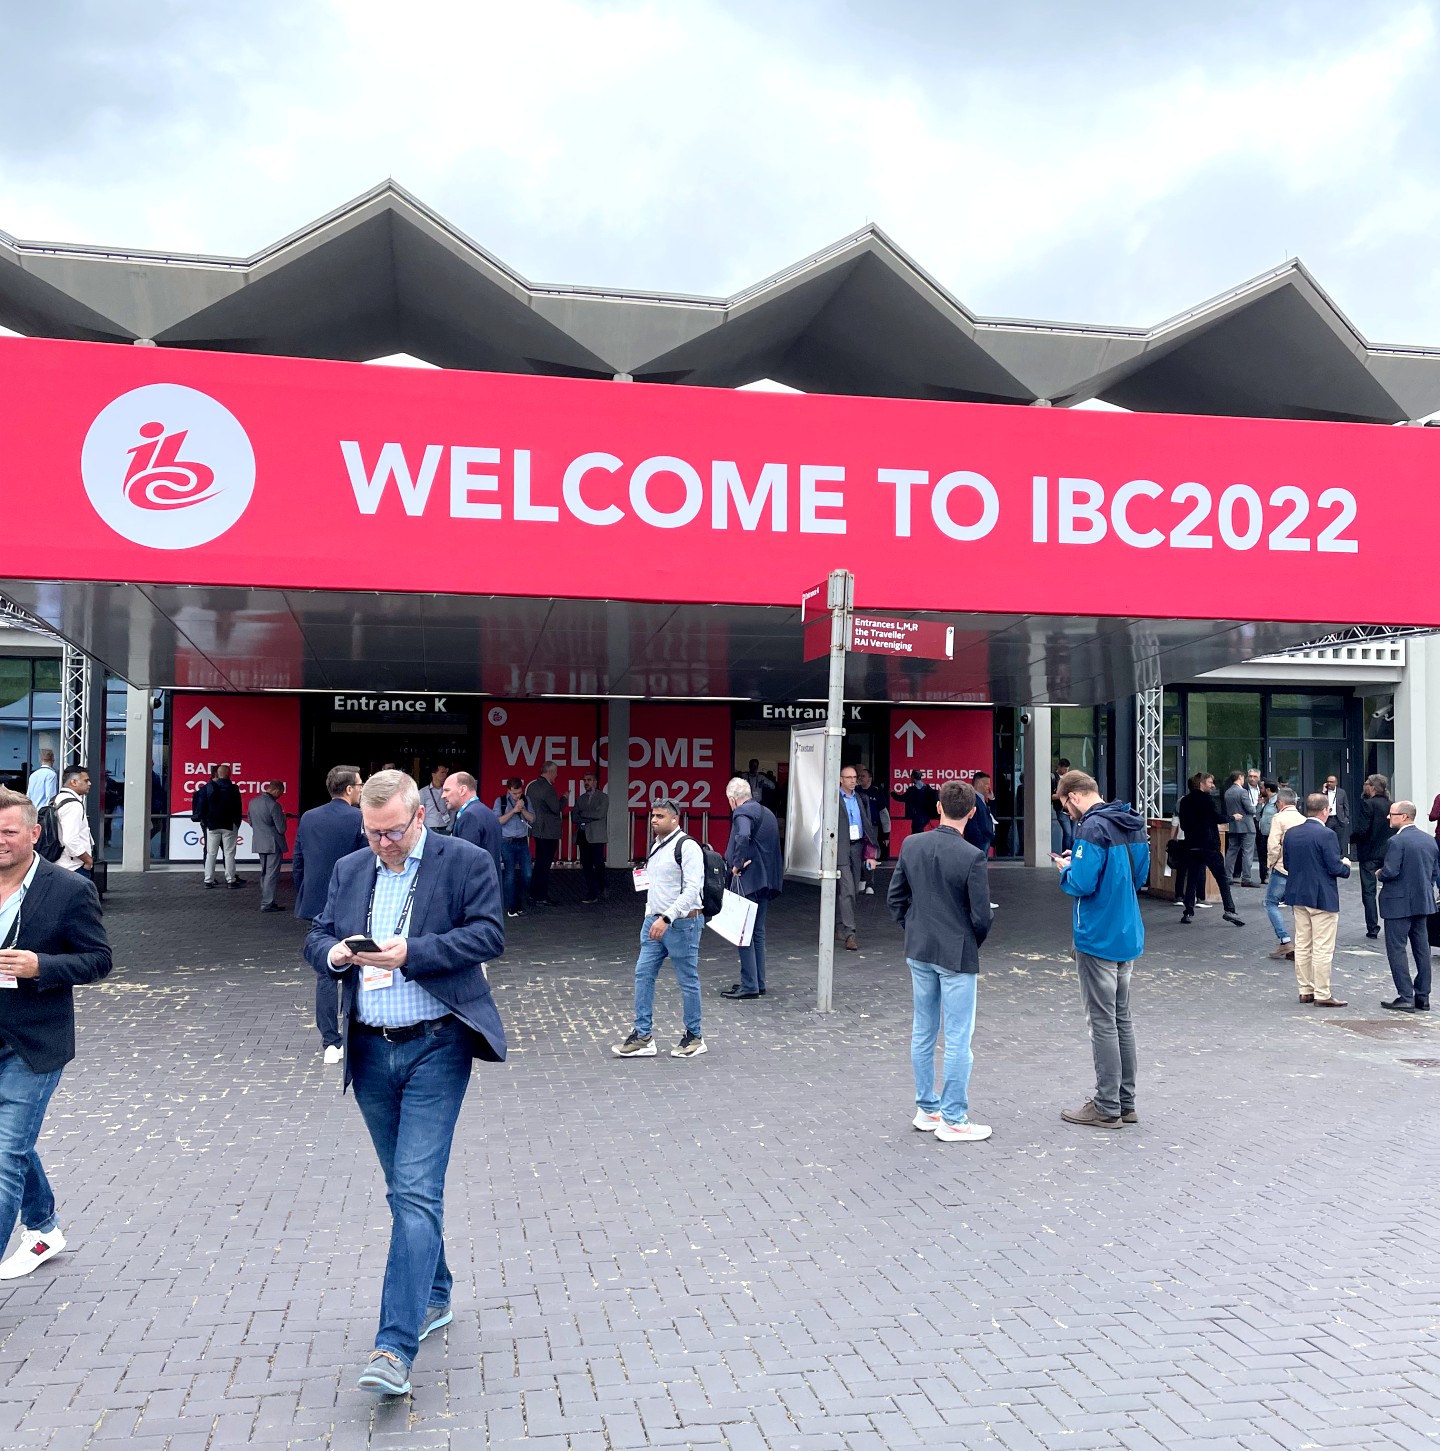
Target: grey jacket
592	816
545	803
267	825
1237	798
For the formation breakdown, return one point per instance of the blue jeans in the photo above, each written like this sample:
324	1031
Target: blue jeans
410	1096
752	958
515	866
1274	896
24	1190
951	996
681	944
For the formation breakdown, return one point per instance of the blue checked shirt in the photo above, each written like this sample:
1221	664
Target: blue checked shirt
403	1002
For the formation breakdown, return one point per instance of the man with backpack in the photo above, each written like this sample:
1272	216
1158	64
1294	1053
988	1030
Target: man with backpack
72	823
673	879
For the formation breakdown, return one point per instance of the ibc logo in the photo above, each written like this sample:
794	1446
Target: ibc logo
168	467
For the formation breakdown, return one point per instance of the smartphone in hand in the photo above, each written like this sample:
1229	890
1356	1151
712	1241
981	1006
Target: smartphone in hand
359	942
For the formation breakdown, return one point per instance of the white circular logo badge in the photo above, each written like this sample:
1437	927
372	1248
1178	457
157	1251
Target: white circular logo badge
497	716
168	467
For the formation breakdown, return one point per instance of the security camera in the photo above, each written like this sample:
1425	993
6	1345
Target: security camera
1024	717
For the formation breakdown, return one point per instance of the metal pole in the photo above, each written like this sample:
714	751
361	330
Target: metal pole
841	599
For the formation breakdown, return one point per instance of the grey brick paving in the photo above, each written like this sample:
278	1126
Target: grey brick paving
753	1249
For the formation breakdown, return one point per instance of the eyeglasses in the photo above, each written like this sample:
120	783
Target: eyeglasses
397	834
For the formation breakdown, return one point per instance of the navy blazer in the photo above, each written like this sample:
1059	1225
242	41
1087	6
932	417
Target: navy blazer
325	834
60	923
980	829
480	826
1410	874
1312	864
754	848
940	895
456	926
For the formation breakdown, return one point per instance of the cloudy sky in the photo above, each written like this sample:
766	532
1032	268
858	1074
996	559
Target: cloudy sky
1105	161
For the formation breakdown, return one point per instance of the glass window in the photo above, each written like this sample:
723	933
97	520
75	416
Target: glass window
14	755
1232	714
14	687
1380	717
45	702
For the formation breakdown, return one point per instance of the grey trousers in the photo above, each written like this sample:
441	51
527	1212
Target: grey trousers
218	841
852	874
1105	991
1240	856
269	876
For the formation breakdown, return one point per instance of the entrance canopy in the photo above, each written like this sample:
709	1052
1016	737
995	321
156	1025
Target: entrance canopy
243	522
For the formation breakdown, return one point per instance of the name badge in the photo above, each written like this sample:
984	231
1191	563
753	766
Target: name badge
854	833
8	980
642	879
376	977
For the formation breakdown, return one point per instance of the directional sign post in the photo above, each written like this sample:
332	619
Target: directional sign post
840	596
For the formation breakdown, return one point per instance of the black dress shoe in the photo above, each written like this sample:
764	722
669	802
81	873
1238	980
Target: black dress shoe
1422	1005
1399	1005
736	996
1372	935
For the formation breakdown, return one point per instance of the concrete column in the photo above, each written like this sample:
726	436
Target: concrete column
1417	704
1038	811
138	726
617	786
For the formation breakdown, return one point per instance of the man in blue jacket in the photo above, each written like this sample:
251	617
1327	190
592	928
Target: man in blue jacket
757	872
1103	872
471	819
416	1012
325	834
1313	864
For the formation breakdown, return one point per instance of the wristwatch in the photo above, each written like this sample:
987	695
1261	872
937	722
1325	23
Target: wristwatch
665	919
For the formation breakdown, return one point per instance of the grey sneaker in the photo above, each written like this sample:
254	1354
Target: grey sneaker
1129	1116
689	1047
385	1374
436	1316
636	1046
1090	1117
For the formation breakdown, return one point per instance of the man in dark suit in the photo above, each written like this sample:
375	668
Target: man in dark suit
857	827
51	941
940	894
325	834
980	829
471	819
1338	801
1313	864
757	872
1370	834
416	1013
1200	821
1408	878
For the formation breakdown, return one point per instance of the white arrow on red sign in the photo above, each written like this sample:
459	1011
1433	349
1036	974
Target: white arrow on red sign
909	733
205	718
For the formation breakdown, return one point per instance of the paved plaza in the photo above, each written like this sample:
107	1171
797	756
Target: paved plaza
752	1249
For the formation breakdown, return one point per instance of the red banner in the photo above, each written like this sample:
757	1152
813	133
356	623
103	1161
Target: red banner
519	737
171	466
257	736
943	745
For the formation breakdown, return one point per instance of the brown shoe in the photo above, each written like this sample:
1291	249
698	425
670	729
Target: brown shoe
1130	1117
1282	952
850	944
1090	1117
1330	1003
1307	997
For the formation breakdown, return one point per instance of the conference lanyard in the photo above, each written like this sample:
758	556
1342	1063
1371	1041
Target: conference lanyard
404	916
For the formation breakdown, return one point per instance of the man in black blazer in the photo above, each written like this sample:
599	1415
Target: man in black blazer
471	819
1408	879
51	940
416	1013
325	834
940	895
757	872
1370	834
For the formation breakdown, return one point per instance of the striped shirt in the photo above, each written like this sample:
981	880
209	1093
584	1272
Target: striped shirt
403	1003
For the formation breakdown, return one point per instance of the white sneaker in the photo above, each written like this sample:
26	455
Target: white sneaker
927	1123
34	1249
966	1133
334	1053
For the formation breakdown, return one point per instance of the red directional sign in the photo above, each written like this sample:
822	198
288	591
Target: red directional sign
257	736
942	745
885	635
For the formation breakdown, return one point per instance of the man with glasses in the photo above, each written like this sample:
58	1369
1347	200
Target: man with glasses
51	941
1370	835
416	1011
672	878
1408	879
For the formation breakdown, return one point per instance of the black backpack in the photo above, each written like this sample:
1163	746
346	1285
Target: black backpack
50	845
714	879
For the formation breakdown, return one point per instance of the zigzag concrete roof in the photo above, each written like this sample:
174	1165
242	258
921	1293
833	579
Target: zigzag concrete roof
384	274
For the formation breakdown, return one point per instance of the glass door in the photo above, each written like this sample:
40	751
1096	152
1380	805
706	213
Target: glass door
1305	764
